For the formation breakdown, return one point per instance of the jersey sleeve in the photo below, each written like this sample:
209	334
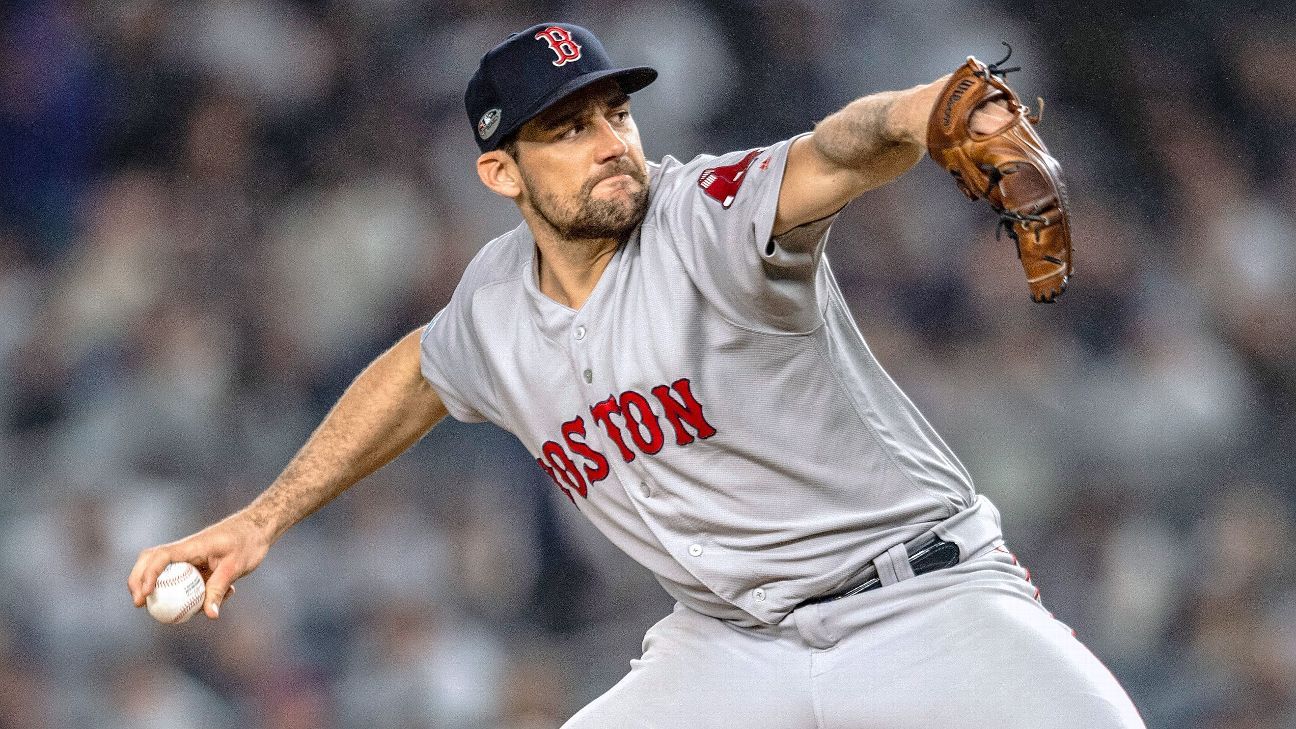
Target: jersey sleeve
450	357
717	212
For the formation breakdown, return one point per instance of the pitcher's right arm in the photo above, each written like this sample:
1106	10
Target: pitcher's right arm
388	408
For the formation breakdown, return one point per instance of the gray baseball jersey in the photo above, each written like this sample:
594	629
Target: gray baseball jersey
712	407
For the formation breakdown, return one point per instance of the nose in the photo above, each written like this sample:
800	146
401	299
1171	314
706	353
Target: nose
611	144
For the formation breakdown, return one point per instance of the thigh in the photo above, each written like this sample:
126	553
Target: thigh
700	672
966	647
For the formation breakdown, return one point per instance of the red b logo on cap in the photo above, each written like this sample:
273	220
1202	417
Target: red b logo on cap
561	43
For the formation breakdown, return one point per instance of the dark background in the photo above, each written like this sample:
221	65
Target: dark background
213	213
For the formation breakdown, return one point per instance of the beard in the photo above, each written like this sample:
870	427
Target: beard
588	218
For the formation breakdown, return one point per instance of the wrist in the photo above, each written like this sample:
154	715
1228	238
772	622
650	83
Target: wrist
910	114
259	523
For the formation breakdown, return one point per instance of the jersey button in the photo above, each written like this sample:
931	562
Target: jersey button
695	550
759	594
589	375
580	332
645	489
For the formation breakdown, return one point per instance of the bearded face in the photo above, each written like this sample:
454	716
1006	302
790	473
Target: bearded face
582	166
610	204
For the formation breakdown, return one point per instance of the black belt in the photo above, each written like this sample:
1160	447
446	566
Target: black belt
933	555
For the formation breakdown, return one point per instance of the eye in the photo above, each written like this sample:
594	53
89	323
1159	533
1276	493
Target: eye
573	131
621	116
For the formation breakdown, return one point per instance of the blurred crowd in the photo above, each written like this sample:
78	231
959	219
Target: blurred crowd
213	213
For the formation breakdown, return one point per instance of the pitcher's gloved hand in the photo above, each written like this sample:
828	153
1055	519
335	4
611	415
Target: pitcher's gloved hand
1009	167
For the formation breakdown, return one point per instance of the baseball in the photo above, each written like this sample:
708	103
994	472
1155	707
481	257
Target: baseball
178	593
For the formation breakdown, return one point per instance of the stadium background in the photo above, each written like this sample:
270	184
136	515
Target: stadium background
213	213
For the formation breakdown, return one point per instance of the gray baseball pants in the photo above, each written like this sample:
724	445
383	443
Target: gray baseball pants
966	647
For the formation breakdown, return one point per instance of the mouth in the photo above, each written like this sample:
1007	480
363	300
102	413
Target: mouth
621	179
618	182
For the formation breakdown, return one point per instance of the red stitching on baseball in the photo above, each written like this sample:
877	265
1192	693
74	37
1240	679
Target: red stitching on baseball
188	606
174	579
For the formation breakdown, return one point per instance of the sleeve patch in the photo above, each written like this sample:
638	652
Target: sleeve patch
721	183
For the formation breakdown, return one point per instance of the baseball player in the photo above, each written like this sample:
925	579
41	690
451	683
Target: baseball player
669	343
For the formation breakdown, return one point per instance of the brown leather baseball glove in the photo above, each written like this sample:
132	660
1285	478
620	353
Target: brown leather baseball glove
1010	168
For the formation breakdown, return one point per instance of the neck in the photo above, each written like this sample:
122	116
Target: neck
569	269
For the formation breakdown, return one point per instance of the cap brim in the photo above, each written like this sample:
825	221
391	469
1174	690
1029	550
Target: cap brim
630	80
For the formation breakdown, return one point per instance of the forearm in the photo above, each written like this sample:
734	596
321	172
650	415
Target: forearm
870	142
386	409
878	127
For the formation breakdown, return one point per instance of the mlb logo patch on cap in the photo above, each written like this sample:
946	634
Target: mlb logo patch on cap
489	122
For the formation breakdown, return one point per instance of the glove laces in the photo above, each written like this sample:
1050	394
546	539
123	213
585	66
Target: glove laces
997	69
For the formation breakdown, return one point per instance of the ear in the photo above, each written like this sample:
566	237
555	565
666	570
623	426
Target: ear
499	172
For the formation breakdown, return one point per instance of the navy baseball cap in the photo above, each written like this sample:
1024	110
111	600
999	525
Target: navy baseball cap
531	71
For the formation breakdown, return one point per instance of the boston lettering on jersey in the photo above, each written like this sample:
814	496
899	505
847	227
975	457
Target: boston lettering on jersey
628	419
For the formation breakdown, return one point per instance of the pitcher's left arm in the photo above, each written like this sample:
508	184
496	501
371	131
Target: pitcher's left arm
866	144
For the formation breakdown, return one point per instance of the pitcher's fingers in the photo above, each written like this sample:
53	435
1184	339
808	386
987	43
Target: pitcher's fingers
153	560
218	587
148	566
134	581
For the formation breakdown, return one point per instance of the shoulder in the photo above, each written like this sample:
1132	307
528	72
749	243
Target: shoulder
503	259
718	177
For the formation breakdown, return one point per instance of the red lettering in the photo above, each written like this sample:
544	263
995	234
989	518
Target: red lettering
600	469
687	409
637	415
647	419
602	413
561	43
554	477
559	460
